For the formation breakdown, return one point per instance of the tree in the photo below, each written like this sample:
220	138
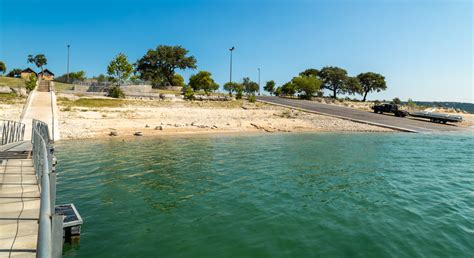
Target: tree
178	80
203	81
310	72
15	73
232	87
30	83
334	79
396	101
277	91
3	67
371	82
101	78
250	87
307	85
288	89
119	69
159	65
353	86
73	76
270	87
39	60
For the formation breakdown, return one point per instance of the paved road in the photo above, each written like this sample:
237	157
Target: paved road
389	121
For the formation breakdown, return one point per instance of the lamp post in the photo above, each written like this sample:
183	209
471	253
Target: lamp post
67	73
258	81
231	49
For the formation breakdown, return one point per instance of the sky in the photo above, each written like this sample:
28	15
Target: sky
423	48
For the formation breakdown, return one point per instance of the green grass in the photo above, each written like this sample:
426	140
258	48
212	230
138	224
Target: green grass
11	82
60	87
91	103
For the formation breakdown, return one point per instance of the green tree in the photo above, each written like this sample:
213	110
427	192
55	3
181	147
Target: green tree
334	79
73	76
30	83
306	85
250	87
353	86
371	82
119	69
288	89
178	80
270	87
159	65
3	67
232	87
100	78
310	72
411	104
277	91
396	101
39	60
203	81
15	73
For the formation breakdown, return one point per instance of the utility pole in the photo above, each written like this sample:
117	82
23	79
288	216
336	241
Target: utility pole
231	49
67	73
258	81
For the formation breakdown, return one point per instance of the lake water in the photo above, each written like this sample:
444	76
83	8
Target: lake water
272	195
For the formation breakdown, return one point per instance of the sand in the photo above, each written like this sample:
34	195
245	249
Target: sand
165	117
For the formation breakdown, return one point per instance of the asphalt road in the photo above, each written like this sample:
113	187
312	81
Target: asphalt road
386	120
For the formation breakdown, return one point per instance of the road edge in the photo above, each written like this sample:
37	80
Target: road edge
341	117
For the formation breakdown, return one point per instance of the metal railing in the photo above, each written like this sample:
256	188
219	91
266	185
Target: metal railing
49	243
11	131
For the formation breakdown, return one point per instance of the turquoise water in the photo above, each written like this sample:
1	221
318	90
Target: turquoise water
272	195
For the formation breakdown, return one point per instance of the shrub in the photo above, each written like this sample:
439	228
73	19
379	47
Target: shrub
30	83
239	94
188	93
116	92
252	98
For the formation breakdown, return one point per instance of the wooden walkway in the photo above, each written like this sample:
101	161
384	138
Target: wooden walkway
19	202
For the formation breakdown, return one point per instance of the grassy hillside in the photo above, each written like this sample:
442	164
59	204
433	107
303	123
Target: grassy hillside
11	82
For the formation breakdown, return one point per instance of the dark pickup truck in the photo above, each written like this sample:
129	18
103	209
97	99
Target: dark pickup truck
390	108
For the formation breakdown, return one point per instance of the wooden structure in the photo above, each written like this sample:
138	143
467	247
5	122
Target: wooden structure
46	75
25	74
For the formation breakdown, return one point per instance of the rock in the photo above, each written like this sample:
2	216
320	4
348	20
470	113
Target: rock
113	133
147	126
213	127
138	134
159	127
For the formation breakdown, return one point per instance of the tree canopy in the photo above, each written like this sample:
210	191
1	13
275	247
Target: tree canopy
73	76
371	82
16	73
233	87
119	69
334	79
159	65
250	86
203	81
306	85
270	87
3	67
310	72
353	86
288	89
39	60
178	80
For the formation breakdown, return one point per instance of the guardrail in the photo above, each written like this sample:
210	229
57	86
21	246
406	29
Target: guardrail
11	131
50	233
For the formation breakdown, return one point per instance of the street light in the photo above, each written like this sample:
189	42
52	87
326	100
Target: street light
68	46
231	49
258	81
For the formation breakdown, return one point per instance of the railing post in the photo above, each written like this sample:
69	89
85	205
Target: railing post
57	235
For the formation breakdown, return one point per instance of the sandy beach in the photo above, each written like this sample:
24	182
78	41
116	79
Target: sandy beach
152	117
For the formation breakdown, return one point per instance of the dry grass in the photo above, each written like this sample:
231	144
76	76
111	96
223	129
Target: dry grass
11	82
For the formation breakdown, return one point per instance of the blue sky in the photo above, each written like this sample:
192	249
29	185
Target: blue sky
423	48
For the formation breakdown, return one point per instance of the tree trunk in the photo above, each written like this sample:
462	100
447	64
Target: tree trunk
365	96
334	93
